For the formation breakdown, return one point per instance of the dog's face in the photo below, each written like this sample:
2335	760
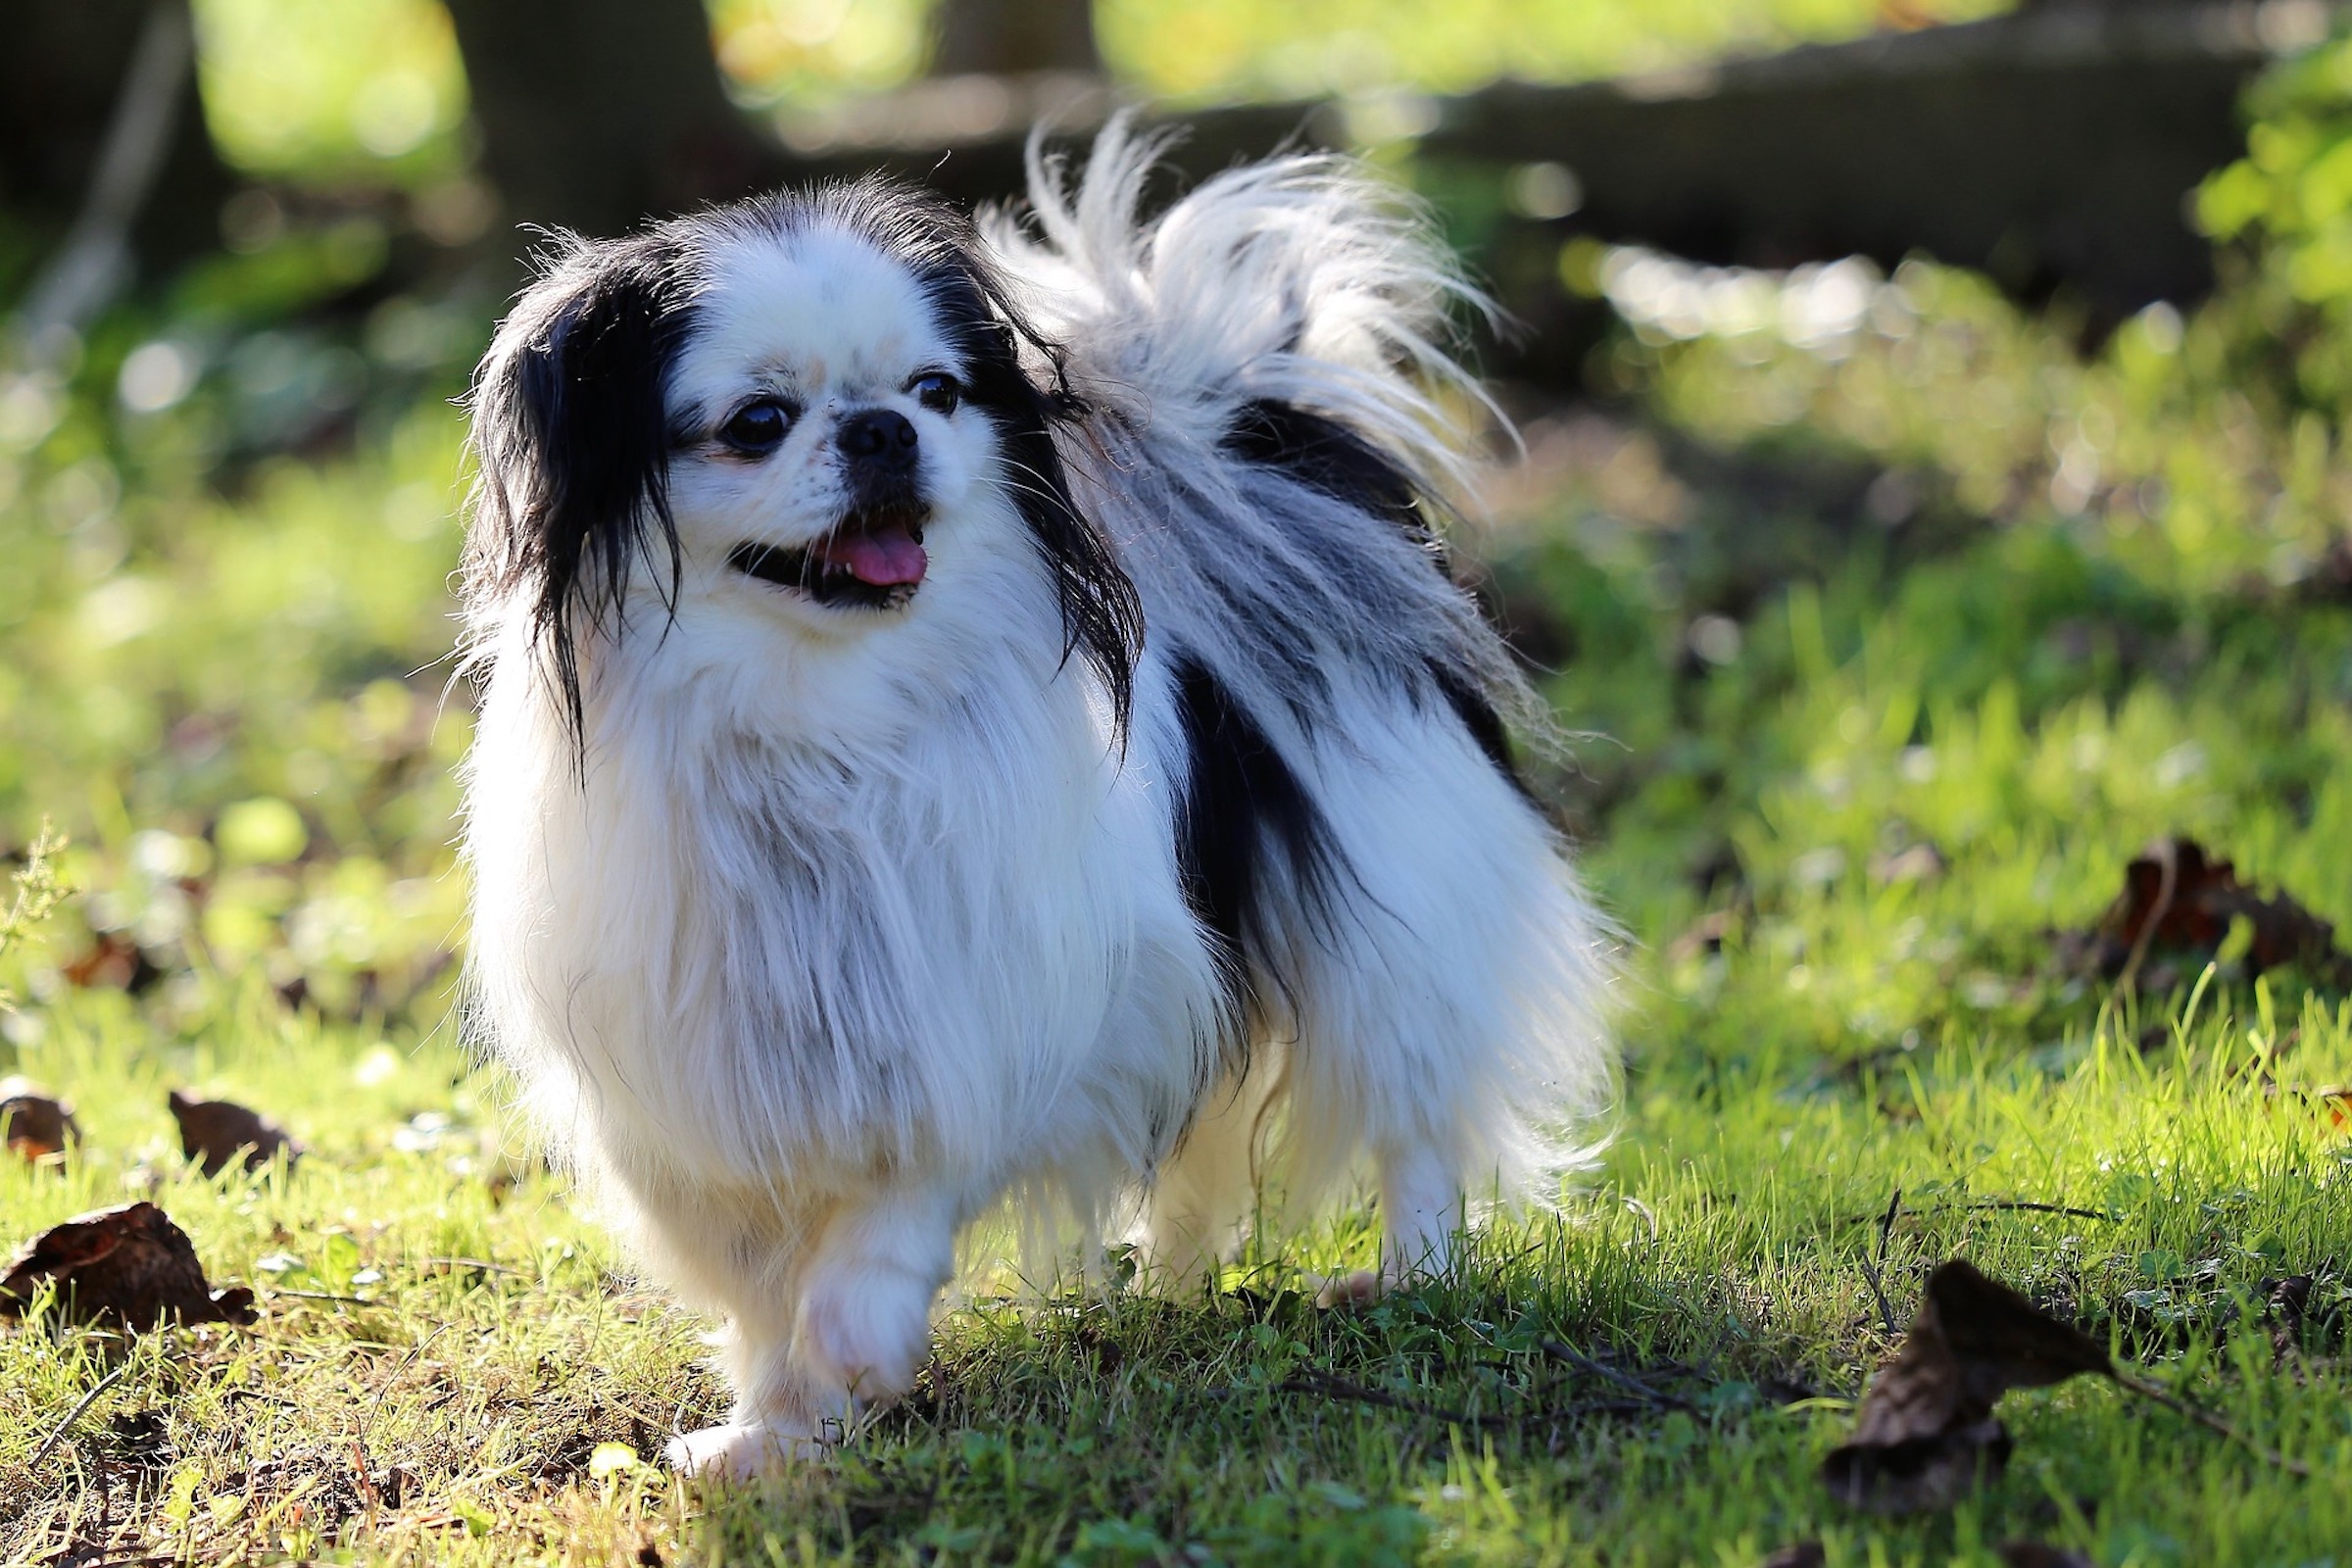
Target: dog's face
820	429
806	420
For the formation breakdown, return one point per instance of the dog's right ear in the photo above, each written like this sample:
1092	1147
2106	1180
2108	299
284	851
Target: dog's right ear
571	443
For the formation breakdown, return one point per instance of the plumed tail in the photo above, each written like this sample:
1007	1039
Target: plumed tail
1301	282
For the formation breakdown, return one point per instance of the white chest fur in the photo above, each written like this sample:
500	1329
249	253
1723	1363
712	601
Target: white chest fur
753	963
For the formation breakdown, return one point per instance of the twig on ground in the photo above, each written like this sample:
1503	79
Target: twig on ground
1870	1270
81	1407
2203	1417
368	1489
1585	1407
2021	1206
481	1263
261	1398
1624	1380
415	1351
1992	1205
1329	1386
2168	869
323	1296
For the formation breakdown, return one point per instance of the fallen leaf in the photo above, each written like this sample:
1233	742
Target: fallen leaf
220	1133
2178	899
114	962
2286	1301
1705	936
1927	1432
129	1266
1917	862
2039	1554
34	1125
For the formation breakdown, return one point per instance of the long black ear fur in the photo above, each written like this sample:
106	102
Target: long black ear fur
572	445
1102	615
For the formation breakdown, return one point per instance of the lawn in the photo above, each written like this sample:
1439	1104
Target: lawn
1893	623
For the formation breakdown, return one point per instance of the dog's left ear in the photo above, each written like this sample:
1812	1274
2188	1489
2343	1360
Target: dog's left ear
571	440
1102	615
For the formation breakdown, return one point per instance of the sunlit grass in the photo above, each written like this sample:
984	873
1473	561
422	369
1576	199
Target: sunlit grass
1849	1033
1898	631
1719	1255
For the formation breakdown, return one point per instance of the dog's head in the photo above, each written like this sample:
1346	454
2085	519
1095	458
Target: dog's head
784	411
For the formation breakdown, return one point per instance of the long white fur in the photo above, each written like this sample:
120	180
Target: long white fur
848	928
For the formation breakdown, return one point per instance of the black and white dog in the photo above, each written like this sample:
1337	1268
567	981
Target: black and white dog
975	711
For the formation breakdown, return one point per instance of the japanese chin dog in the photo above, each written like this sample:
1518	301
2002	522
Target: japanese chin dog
977	714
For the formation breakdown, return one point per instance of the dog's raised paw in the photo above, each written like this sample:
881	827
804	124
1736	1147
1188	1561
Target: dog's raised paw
1359	1287
737	1451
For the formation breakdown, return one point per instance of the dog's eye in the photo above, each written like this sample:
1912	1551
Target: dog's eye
756	427
936	391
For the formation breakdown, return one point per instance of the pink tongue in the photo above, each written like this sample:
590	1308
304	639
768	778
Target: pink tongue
887	557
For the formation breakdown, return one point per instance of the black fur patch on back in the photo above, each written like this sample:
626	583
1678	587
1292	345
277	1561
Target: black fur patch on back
1244	819
1327	456
1324	454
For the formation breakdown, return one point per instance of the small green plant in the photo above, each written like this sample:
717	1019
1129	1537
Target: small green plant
37	894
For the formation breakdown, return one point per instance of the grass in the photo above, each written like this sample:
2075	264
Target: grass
1719	1258
1834	1035
1900	636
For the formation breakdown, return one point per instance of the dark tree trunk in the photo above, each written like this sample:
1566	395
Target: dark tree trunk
1010	36
597	114
63	73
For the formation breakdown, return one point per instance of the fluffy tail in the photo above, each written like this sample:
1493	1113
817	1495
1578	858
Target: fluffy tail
1299	280
1277	425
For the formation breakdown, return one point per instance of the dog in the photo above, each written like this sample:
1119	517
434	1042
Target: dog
976	711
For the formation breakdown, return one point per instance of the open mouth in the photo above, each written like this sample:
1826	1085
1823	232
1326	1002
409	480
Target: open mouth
872	559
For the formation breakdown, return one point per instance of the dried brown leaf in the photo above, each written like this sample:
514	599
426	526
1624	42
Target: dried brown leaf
2041	1554
220	1133
127	1266
1927	1432
2178	899
34	1125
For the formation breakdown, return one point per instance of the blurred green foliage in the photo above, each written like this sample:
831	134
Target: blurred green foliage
2284	212
184	667
223	660
781	51
322	90
1194	52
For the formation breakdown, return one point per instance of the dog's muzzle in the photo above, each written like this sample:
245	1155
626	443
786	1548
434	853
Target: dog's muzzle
874	557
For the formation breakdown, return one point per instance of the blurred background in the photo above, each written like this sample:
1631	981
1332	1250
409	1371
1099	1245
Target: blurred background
1896	377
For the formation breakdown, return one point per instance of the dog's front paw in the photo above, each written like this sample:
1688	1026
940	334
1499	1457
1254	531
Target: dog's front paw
737	1451
1359	1287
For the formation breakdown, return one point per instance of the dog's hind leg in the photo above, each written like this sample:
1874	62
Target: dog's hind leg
852	1338
1203	1194
1450	981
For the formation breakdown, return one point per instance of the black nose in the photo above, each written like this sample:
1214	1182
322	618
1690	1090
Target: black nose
879	438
